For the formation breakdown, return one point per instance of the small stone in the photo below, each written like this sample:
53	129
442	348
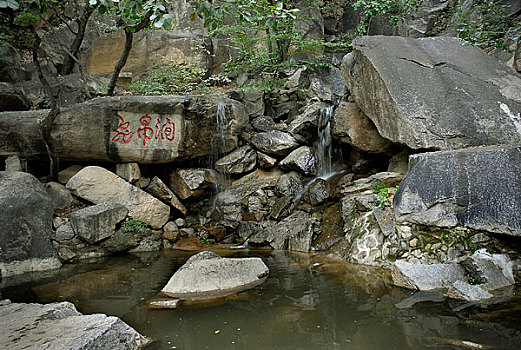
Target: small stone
128	171
142	182
58	221
436	246
428	246
413	242
14	163
64	232
187	231
164	304
180	222
405	231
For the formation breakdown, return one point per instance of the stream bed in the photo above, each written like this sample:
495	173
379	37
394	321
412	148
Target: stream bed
307	302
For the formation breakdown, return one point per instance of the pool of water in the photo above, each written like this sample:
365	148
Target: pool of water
307	302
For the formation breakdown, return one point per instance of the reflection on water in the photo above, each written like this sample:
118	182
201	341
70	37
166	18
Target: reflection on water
308	302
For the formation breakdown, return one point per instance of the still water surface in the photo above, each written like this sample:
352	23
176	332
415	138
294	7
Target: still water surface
308	302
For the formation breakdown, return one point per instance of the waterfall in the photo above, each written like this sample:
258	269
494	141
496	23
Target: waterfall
324	146
218	147
219	136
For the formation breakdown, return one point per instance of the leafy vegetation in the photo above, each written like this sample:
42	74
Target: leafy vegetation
484	25
263	36
396	9
171	78
134	225
384	195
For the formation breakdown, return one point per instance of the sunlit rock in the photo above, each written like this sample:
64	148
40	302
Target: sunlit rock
274	142
61	326
99	185
207	275
471	98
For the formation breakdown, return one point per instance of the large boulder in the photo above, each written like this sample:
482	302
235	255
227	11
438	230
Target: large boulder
477	188
434	93
61	326
143	129
73	88
207	275
26	221
99	185
98	222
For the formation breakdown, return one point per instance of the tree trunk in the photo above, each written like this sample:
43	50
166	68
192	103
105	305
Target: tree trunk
208	45
129	37
68	62
46	125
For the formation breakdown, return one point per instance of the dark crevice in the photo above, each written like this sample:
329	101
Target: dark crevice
439	64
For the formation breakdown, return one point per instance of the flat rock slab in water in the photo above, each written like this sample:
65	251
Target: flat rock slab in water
61	326
207	275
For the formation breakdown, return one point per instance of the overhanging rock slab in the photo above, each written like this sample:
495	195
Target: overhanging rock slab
434	93
143	129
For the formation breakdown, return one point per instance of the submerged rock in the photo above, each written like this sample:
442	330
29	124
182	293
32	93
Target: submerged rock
61	326
207	275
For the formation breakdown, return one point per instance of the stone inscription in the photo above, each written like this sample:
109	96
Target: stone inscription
147	130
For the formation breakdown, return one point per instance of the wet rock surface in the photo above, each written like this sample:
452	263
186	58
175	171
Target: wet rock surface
207	275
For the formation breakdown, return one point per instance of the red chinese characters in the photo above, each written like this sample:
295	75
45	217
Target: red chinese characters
162	130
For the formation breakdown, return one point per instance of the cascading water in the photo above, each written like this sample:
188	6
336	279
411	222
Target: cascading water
324	147
218	143
323	153
219	135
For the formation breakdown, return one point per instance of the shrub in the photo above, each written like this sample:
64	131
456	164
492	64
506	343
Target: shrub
171	78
